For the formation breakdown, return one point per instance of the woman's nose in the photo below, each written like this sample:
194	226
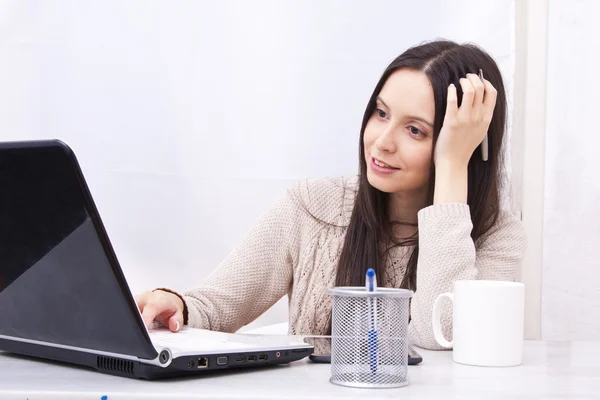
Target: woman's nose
385	142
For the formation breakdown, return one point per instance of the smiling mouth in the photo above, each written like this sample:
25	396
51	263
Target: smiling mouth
382	164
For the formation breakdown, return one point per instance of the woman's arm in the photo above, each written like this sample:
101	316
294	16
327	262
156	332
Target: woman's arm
446	249
447	253
254	276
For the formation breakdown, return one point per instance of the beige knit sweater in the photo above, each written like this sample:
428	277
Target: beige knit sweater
290	252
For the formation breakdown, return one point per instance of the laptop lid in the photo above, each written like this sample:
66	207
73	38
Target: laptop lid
60	281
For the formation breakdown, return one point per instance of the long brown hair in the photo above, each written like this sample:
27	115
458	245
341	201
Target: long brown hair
370	232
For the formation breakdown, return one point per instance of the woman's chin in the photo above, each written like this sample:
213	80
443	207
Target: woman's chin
386	184
395	183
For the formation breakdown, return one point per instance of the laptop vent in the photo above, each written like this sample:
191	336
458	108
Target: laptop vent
115	366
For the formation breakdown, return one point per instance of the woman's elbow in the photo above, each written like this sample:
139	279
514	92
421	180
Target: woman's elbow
424	338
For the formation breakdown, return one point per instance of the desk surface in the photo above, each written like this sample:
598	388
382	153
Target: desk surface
550	370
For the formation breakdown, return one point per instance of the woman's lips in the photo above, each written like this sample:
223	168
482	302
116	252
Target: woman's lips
381	167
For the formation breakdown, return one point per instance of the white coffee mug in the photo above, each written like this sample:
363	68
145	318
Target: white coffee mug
488	318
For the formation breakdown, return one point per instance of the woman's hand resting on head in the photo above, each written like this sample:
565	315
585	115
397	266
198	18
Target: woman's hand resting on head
462	132
161	306
465	128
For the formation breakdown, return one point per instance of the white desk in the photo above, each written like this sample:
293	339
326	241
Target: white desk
550	370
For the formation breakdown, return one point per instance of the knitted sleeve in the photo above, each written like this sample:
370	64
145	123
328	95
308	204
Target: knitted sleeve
447	253
254	276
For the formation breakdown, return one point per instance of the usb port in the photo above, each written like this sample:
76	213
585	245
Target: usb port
251	358
203	362
222	360
240	359
262	357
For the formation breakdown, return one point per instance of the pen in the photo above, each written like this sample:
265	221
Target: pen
484	144
371	286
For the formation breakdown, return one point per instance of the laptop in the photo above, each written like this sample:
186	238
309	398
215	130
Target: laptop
63	295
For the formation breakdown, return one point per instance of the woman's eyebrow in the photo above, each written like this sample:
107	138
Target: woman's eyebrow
382	102
420	119
423	120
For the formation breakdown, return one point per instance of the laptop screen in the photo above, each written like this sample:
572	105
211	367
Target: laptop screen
40	205
60	282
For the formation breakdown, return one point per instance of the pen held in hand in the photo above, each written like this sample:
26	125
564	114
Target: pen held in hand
484	144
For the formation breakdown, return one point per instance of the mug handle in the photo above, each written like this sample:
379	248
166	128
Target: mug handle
436	319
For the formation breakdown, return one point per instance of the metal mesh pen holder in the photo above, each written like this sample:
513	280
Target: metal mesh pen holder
369	341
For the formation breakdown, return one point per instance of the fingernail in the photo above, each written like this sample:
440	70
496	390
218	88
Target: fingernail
177	327
452	84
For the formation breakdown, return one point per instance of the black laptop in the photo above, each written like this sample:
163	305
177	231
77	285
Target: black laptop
63	295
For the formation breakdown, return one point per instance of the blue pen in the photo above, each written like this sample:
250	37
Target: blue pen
371	286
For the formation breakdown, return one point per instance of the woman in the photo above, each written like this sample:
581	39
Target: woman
424	210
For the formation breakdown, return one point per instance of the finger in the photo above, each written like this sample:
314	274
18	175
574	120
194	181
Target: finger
490	94
141	300
452	101
468	94
149	314
479	89
175	322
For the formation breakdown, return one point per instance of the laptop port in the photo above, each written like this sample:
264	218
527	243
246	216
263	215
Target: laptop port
222	360
262	357
203	362
251	358
240	359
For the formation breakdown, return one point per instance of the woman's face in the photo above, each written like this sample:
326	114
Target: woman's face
399	135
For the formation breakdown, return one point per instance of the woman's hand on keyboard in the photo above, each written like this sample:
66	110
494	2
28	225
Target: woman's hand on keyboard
161	306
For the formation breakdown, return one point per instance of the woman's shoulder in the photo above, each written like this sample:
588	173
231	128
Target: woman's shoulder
507	231
329	200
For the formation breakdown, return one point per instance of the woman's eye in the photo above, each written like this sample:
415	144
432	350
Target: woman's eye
415	131
381	113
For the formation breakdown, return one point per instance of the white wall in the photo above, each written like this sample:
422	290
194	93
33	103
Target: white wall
527	147
571	273
189	117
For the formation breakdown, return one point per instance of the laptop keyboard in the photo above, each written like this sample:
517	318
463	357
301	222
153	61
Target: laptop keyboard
200	340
